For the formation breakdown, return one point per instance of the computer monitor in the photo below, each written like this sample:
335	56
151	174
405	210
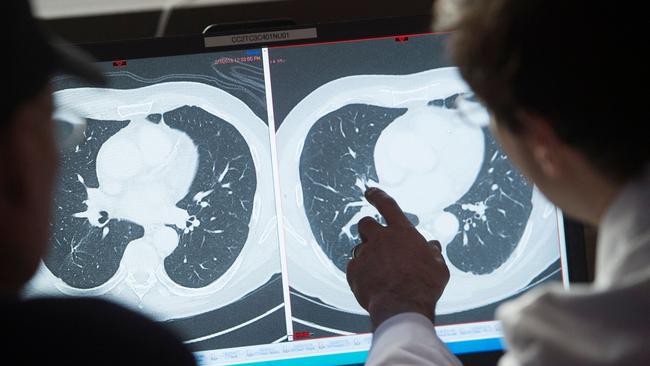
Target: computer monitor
220	179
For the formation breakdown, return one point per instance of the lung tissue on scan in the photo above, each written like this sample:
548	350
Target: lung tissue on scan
336	161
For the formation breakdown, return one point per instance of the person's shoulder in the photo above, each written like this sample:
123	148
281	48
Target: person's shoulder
94	309
95	328
80	313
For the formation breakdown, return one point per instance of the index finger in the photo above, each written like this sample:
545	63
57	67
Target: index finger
387	207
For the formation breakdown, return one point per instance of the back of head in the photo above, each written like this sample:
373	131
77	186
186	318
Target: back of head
28	153
31	55
578	64
26	60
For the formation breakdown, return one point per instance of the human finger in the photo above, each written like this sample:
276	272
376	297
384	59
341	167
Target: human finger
368	228
356	250
387	207
436	244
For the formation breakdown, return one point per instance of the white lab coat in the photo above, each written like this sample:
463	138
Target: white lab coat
604	323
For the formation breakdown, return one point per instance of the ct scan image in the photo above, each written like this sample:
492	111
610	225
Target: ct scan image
388	114
165	205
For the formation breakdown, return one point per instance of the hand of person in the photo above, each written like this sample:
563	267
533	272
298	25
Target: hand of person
395	270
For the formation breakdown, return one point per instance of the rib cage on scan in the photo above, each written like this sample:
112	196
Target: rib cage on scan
176	147
446	170
337	162
87	246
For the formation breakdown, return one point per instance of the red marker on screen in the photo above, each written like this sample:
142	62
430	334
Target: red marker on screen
302	335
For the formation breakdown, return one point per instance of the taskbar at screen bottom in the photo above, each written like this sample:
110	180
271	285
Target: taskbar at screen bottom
349	349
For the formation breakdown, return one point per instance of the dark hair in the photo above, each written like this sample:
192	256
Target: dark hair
579	64
32	56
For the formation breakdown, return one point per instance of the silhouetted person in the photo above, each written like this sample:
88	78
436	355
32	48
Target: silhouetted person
565	83
59	331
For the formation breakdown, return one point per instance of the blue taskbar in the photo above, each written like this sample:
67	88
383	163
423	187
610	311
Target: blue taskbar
349	349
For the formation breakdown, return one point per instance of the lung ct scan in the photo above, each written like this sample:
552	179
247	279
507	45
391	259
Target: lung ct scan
406	135
224	202
162	208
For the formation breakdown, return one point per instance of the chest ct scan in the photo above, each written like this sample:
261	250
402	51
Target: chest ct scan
402	133
161	205
184	203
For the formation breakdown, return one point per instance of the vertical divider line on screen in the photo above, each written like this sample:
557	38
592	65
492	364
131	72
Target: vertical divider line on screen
564	259
278	196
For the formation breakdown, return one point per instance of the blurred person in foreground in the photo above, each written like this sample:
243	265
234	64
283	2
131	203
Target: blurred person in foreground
66	331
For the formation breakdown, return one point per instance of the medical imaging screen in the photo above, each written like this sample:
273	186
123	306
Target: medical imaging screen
385	113
165	205
219	193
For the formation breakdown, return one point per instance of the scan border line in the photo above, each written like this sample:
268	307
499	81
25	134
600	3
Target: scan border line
278	195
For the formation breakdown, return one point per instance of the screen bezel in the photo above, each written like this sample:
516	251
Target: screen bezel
327	32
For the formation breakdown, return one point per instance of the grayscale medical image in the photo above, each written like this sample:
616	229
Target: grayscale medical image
165	205
388	114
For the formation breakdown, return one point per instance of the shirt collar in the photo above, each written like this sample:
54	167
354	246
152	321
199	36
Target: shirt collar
625	219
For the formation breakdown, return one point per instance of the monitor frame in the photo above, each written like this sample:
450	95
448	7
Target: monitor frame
327	32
